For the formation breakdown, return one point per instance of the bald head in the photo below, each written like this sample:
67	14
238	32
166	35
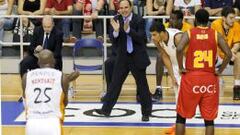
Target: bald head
47	23
46	59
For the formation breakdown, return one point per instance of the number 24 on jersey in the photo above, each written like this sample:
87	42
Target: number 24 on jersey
200	57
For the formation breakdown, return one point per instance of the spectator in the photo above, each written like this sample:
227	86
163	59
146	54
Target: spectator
92	8
48	37
159	7
31	7
113	7
27	31
188	7
6	7
230	30
155	8
61	7
214	7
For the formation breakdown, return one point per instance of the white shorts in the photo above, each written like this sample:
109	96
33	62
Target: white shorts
46	126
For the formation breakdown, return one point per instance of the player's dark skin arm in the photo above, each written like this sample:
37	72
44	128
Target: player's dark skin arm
74	75
66	79
65	86
24	78
226	50
180	49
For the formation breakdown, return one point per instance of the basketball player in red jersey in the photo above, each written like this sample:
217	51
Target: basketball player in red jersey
199	83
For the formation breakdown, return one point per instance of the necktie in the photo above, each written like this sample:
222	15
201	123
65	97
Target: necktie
46	41
129	41
129	44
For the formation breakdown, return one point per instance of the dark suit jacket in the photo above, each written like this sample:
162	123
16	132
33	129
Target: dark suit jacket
54	43
138	35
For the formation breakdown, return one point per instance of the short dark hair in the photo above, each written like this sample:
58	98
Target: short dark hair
157	26
178	13
202	17
129	2
227	10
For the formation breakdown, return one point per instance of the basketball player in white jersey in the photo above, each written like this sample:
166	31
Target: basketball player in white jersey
45	96
166	41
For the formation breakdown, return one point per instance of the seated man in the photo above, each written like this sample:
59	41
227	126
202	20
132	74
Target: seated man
229	29
61	7
48	37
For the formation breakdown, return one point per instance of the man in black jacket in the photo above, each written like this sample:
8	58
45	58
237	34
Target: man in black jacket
129	36
48	37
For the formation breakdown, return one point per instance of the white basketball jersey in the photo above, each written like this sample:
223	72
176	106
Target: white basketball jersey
171	49
43	94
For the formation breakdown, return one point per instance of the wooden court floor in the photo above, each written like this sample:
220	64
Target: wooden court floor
90	87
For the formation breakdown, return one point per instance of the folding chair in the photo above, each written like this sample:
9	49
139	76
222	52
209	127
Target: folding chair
87	43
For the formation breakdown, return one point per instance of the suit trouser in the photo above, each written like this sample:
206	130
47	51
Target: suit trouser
109	66
120	73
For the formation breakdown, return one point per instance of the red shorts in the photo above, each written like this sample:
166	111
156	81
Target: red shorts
198	88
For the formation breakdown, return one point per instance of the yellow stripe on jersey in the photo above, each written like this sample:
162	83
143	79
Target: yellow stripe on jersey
216	37
189	34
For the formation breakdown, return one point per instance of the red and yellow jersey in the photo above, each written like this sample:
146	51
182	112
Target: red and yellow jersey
231	37
202	49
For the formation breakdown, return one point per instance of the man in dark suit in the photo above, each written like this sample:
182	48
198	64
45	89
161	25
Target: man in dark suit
48	37
129	36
